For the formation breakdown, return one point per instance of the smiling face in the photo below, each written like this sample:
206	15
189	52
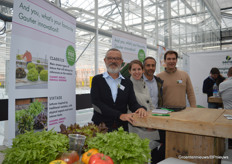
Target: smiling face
113	61
136	71
170	61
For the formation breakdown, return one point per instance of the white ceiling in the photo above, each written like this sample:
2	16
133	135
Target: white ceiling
225	3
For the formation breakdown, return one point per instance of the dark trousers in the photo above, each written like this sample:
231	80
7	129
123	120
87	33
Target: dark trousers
158	155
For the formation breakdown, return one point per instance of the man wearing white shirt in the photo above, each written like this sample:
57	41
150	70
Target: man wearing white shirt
225	90
155	85
112	94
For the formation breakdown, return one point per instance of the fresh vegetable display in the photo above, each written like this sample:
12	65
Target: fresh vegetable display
122	147
32	74
87	155
89	130
36	147
30	66
43	75
20	73
100	158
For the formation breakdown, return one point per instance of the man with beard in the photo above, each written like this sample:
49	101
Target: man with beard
155	87
154	83
111	94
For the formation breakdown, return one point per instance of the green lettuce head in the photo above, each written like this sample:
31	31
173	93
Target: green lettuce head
32	74
44	75
30	66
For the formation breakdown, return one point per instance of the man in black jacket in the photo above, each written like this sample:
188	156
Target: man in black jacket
208	83
111	94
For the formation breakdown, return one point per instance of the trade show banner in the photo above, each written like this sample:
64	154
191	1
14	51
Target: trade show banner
200	66
42	68
131	46
161	51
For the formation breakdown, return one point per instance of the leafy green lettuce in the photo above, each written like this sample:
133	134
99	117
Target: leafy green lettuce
32	74
36	148
122	147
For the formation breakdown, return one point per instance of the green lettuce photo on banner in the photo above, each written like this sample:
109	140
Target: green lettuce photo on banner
70	55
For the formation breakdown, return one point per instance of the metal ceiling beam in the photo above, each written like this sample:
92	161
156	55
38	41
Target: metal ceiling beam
189	6
207	4
172	18
7	3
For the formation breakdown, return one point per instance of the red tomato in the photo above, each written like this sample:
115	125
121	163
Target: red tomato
100	158
70	157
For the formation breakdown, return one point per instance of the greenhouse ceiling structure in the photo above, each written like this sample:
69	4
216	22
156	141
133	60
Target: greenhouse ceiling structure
181	25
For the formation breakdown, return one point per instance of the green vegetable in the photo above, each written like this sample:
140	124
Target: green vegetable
40	121
30	66
20	73
122	147
35	108
36	148
39	68
33	74
19	57
19	114
25	117
89	130
25	123
43	75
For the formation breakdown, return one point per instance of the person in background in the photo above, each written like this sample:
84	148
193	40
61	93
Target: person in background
27	57
143	97
155	85
220	79
225	90
177	83
208	83
111	94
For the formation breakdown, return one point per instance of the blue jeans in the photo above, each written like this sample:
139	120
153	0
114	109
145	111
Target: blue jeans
213	105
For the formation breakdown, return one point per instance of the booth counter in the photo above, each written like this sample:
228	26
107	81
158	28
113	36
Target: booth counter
194	134
215	100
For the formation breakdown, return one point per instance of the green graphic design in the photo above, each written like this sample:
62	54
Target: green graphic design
70	55
228	58
141	55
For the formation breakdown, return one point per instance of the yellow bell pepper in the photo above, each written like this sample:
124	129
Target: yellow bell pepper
57	162
86	156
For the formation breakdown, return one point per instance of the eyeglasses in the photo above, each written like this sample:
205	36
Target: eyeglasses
112	58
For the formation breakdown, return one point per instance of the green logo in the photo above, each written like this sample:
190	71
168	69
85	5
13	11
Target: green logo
228	58
141	55
70	55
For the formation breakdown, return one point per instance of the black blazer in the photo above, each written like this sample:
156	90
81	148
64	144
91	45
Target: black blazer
105	109
208	86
